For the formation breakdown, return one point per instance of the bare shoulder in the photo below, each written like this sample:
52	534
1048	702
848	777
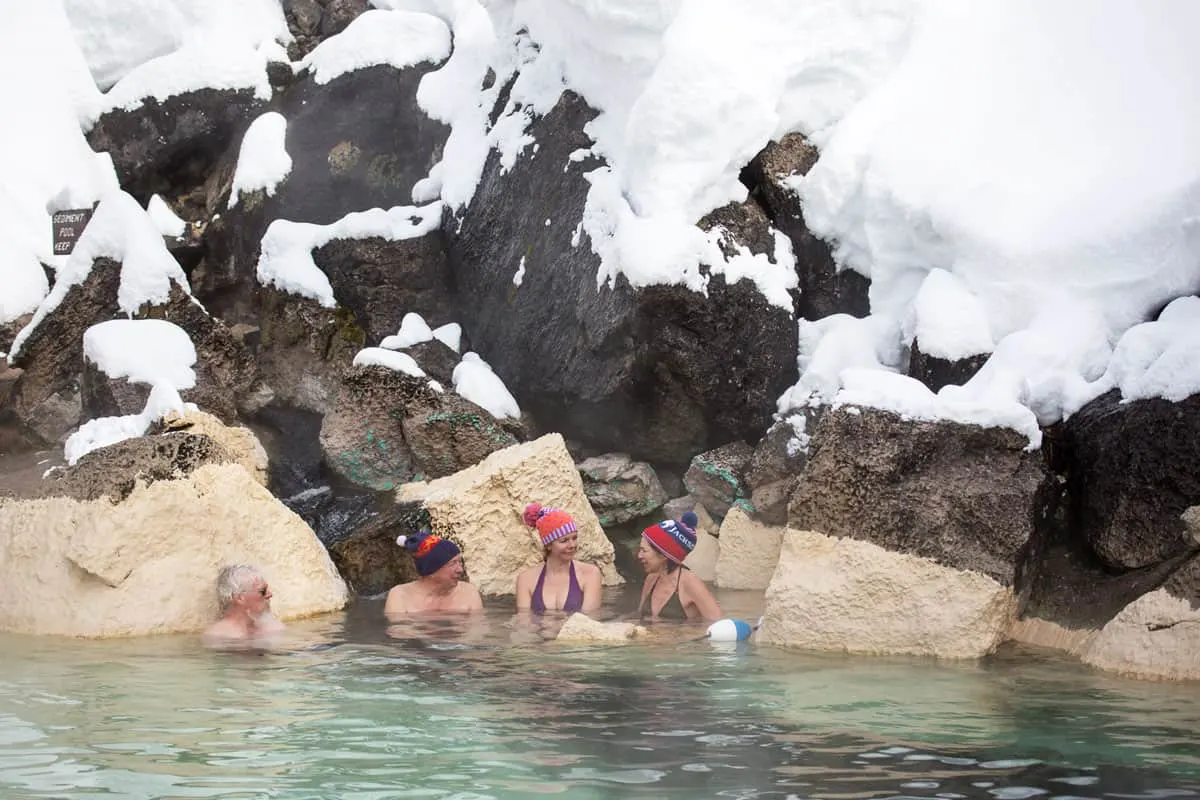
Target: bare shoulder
222	630
692	582
397	598
528	575
469	595
587	571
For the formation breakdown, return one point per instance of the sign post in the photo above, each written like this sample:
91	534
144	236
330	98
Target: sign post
68	227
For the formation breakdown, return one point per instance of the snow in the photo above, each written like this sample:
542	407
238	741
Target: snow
1072	180
121	230
45	163
381	357
413	330
148	351
116	36
475	381
450	335
912	400
263	160
1160	358
397	38
202	64
949	322
286	260
166	220
106	431
142	351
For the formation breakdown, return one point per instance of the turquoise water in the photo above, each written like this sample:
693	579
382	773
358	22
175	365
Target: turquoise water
489	710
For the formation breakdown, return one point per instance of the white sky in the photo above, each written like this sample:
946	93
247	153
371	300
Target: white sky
1008	185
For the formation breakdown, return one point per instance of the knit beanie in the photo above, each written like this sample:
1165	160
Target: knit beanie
430	552
551	523
674	539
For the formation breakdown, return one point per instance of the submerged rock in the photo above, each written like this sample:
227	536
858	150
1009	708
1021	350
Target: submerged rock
582	628
850	596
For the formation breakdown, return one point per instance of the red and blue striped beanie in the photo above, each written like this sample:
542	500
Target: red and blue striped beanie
674	539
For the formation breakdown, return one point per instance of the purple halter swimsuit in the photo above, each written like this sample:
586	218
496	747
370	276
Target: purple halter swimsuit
574	601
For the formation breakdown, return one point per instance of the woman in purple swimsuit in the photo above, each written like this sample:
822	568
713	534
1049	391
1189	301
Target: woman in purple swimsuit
561	583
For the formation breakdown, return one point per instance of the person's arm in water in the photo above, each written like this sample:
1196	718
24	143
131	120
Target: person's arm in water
698	597
525	583
590	582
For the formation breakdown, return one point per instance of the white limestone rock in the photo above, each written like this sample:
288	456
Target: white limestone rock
149	563
582	628
749	552
1155	636
851	596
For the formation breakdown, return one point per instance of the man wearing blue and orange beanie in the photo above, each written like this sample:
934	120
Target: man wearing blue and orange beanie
440	587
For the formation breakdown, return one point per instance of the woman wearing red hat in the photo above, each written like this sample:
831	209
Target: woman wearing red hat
671	590
561	583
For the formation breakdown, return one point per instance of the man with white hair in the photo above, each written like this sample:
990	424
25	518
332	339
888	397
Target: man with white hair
245	600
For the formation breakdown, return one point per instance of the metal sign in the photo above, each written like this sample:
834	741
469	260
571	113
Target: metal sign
68	226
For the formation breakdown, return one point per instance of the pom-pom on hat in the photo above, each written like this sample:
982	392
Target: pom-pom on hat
551	523
674	539
430	552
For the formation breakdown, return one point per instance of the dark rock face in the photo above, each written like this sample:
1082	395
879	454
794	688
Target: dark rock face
52	355
824	290
15	436
9	331
370	561
226	371
715	478
961	495
436	360
1133	473
224	368
113	471
304	348
339	14
938	372
673	371
389	428
357	142
773	472
1064	580
162	146
380	281
620	489
103	396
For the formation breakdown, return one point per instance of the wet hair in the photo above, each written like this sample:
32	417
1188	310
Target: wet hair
234	580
